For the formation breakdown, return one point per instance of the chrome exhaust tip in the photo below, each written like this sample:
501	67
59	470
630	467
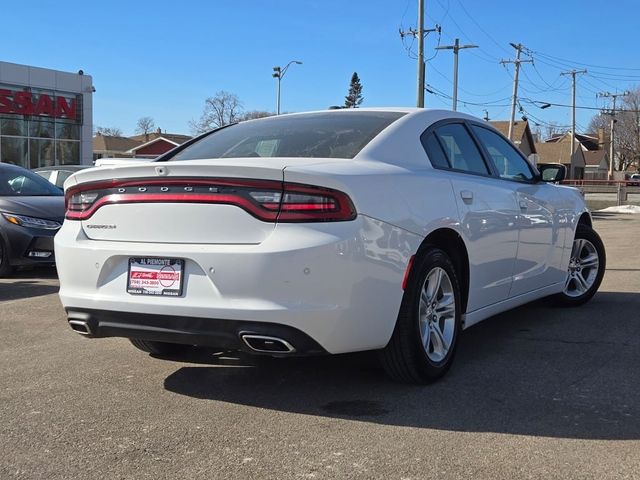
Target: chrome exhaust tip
265	344
80	326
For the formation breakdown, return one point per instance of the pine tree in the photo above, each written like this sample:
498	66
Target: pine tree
354	98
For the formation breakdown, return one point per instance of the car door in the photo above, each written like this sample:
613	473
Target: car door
541	238
487	209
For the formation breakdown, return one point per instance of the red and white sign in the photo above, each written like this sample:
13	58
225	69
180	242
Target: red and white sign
20	102
155	276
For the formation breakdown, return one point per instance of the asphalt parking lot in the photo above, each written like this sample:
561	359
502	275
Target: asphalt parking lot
537	392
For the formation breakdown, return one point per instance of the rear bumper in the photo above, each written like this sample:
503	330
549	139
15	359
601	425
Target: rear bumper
209	332
337	283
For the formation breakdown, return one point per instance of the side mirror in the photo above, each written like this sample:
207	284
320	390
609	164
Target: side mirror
552	172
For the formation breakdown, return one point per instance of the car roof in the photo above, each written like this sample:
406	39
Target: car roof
61	167
11	166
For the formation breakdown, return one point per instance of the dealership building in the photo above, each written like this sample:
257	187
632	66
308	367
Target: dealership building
45	116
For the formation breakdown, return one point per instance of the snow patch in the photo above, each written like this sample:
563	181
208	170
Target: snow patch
622	209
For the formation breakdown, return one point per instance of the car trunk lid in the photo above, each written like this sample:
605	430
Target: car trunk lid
223	201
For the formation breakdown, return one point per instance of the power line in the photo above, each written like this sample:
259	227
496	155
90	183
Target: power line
433	67
462	32
436	91
581	64
504	49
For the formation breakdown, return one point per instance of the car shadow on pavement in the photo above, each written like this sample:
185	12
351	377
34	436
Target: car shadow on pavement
536	370
29	283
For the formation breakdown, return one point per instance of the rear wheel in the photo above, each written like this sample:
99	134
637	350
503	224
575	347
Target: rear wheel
159	348
586	268
424	340
5	268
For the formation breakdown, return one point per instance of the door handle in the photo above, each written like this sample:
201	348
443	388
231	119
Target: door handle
466	195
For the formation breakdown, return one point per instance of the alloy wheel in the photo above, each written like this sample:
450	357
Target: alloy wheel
437	314
583	268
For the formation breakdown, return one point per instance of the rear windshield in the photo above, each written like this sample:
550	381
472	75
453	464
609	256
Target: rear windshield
315	135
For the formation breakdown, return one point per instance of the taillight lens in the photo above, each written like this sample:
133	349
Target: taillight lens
268	200
308	204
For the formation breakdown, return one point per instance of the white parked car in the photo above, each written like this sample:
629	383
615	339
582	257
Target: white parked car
324	232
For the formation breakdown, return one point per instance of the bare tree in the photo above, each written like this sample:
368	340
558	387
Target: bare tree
627	130
253	114
597	122
627	135
222	109
145	125
552	129
109	131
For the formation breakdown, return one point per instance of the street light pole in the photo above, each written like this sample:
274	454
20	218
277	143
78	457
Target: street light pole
279	74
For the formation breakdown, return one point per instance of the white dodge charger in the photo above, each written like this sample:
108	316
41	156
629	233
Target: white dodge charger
324	232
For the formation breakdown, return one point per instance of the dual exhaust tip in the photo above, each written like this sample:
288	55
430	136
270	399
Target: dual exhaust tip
265	344
80	326
257	343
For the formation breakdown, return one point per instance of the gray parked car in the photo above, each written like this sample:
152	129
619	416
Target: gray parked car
57	174
31	212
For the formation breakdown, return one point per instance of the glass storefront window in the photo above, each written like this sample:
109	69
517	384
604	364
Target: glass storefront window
13	126
41	153
41	129
14	150
47	132
68	131
68	153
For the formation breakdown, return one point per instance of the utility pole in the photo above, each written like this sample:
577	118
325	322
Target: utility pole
420	86
612	113
573	74
420	34
514	98
456	47
486	115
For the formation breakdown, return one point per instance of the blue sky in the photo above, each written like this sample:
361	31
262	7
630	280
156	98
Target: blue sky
162	59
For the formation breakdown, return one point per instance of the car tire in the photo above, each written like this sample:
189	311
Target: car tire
5	267
159	348
423	343
586	268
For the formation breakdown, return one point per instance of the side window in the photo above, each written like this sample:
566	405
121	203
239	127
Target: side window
508	162
460	149
62	176
45	174
434	151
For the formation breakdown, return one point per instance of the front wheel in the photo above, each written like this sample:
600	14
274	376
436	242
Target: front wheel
586	268
423	343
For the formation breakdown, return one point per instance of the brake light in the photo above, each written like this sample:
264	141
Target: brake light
267	200
302	203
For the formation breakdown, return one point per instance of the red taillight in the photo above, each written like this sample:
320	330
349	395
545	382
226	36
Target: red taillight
301	203
267	200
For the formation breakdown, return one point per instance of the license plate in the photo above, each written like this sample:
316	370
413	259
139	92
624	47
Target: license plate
155	276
